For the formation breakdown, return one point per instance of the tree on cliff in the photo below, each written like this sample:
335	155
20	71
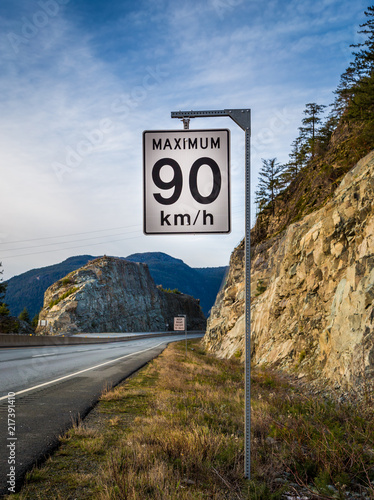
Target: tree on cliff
356	88
345	92
364	58
311	121
271	182
4	311
2	285
298	158
325	151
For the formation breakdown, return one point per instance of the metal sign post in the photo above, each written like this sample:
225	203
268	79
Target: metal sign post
185	331
241	117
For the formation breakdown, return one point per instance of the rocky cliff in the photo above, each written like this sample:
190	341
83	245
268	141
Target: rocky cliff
113	295
312	290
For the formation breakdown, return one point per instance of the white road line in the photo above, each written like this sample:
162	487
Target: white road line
42	355
81	371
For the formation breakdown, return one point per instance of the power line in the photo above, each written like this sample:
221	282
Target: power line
67	235
68	248
63	242
234	214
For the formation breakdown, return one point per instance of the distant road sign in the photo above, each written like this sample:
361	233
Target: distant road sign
179	323
186	181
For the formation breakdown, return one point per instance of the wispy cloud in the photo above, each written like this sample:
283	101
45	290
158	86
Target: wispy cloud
80	87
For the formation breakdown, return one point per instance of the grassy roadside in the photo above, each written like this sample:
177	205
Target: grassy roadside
175	431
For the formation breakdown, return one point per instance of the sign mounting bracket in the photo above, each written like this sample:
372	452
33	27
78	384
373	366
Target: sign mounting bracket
241	117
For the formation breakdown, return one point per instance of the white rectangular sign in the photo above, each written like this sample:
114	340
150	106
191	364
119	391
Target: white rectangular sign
186	181
179	323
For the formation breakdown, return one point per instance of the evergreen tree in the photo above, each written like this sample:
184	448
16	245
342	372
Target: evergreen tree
355	93
325	132
345	91
270	184
364	58
298	157
4	311
2	285
311	122
35	320
361	106
24	315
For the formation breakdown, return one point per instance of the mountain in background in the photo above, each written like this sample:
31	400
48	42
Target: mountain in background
202	283
27	289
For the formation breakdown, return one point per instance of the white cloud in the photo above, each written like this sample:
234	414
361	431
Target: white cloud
71	81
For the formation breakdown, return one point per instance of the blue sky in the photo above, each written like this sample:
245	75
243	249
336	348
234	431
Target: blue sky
90	76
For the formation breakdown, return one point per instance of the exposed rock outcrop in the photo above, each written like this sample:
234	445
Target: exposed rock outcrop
312	291
113	295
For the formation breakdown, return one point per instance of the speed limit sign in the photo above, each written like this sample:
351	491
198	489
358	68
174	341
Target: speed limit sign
186	181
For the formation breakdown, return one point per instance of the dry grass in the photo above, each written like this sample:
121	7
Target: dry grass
175	431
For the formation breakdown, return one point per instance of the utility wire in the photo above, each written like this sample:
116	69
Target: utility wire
67	235
234	213
64	242
68	248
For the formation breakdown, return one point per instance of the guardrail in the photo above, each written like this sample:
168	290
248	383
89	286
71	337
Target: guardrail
16	340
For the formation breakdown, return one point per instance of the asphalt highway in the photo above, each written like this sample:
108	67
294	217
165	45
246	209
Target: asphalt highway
43	390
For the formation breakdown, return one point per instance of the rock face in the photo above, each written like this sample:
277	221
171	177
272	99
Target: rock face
312	290
113	295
